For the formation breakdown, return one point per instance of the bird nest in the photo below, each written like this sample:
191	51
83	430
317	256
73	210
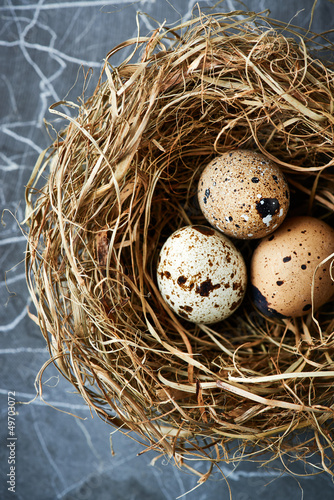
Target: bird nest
121	177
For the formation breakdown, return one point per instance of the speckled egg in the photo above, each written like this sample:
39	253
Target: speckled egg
243	194
201	274
283	265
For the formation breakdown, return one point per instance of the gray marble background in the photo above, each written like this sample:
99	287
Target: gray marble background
44	45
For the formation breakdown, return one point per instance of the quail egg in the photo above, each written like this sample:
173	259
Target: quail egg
243	194
201	274
285	263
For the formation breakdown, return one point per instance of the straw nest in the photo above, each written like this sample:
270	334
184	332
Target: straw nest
121	178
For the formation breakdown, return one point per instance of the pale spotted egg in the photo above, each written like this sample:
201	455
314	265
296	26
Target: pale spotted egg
201	274
243	194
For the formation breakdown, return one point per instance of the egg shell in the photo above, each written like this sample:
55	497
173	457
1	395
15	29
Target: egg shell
283	265
201	274
243	194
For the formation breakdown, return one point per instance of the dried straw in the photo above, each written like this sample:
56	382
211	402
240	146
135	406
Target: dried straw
121	178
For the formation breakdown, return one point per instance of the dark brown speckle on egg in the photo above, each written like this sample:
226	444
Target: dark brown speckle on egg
181	280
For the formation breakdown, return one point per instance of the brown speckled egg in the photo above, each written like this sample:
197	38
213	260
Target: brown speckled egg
243	194
201	275
283	265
